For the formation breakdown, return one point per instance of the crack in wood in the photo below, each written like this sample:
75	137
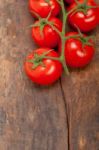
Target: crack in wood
67	115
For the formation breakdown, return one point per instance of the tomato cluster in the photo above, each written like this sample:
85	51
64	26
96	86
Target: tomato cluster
45	64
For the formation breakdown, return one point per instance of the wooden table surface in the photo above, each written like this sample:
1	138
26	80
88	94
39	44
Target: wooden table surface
64	116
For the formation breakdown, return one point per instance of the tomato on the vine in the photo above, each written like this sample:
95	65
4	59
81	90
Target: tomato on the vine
85	21
43	8
47	71
48	37
78	51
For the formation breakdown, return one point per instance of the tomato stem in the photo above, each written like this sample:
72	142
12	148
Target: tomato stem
85	2
53	58
65	68
72	10
54	28
63	40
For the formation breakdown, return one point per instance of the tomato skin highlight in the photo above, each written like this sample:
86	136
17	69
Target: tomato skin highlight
50	38
42	8
87	22
44	75
76	55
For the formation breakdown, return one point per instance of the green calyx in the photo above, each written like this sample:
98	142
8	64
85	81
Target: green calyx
38	59
84	7
86	41
41	25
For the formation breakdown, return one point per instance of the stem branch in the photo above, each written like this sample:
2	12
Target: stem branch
53	58
50	23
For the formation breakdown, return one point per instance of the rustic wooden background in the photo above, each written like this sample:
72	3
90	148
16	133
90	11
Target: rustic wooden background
64	116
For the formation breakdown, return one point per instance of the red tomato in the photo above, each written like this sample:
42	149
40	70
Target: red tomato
84	22
76	55
50	37
47	74
42	8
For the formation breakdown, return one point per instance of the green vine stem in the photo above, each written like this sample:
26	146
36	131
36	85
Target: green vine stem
43	21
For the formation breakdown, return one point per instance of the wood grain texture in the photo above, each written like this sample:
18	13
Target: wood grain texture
61	117
31	117
81	94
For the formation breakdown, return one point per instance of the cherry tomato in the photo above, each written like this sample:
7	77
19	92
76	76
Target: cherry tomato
46	73
76	54
49	37
85	22
43	8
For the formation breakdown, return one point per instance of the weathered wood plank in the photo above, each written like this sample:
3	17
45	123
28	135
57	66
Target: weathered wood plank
31	117
81	92
36	118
